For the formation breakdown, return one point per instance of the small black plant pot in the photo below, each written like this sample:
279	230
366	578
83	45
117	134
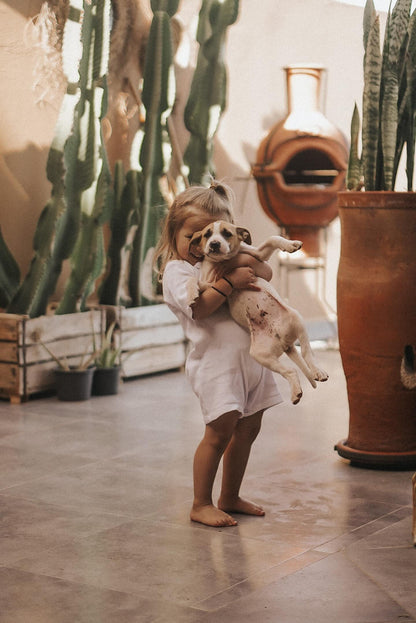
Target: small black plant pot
74	384
106	381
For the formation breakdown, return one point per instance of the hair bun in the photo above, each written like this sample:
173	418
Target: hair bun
218	187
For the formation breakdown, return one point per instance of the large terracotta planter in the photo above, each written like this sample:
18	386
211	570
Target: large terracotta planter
376	300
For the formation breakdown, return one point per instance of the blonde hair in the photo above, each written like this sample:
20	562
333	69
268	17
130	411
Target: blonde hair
214	203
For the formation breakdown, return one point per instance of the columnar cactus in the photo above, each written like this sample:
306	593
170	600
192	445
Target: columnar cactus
88	162
157	98
125	220
207	99
75	162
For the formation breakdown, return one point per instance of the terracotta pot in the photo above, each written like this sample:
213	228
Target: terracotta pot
376	304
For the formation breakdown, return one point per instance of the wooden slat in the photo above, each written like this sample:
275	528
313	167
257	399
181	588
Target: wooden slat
9	327
75	347
156	359
9	352
40	377
10	377
140	338
50	328
142	317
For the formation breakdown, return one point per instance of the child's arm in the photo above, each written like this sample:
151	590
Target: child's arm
261	269
241	278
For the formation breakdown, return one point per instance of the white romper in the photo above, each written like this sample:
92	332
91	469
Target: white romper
221	371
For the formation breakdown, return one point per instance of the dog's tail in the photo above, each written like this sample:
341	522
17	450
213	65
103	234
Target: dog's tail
407	368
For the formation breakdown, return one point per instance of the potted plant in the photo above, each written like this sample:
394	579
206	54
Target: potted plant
73	382
377	270
107	365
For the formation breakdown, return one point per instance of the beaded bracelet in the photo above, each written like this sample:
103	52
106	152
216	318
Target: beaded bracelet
228	281
219	291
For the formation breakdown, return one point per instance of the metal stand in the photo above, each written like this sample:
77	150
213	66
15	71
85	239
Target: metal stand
288	263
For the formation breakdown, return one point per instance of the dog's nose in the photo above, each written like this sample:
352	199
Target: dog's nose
214	246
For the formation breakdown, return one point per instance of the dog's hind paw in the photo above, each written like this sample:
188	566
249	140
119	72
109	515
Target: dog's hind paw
320	375
295	397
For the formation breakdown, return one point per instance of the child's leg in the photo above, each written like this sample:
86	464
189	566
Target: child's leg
234	465
207	457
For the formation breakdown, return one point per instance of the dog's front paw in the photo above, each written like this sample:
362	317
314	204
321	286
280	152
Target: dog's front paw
293	245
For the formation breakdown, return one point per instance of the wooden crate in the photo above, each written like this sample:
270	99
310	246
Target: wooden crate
26	368
151	339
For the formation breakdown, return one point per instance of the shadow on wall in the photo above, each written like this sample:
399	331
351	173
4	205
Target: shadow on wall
22	6
25	190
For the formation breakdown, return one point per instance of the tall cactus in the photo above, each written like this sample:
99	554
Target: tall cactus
389	97
89	161
9	273
207	99
125	220
157	98
75	159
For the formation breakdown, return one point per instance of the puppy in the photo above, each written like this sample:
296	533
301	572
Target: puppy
274	326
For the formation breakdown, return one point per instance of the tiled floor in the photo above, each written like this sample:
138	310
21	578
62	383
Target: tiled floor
95	497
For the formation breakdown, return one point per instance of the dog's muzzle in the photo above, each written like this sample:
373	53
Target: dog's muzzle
214	246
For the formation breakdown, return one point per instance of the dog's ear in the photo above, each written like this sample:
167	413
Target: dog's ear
244	235
195	242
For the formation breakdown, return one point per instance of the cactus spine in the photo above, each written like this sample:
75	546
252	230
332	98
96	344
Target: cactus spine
207	98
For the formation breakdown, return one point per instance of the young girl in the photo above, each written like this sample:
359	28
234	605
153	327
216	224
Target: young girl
232	387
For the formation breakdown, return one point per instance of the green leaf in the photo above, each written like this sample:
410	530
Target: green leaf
9	273
371	105
354	163
368	19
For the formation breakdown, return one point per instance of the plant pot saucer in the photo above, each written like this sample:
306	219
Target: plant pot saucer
382	460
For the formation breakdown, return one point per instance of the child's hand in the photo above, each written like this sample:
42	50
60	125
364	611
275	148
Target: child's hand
243	278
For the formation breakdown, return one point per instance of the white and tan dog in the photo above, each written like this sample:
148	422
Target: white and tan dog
274	326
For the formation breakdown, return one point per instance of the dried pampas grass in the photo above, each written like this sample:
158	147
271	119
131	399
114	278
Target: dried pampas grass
43	34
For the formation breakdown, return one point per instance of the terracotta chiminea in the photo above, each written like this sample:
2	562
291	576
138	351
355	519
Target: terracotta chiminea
301	164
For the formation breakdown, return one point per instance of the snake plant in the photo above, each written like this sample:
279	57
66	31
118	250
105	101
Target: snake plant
389	101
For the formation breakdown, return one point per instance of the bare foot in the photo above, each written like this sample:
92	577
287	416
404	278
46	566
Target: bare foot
241	506
212	516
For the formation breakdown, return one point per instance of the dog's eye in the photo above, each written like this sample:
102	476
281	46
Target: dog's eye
226	233
208	234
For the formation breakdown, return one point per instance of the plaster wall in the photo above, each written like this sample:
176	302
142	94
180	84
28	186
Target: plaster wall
26	131
267	36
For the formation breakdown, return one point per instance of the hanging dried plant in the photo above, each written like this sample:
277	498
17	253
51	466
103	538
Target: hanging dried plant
44	35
